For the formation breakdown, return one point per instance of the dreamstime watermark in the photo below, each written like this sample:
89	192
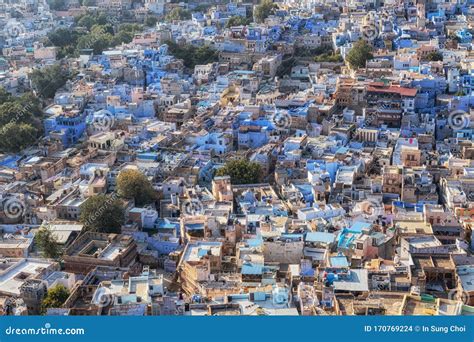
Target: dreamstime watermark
23	112
45	330
370	209
192	207
14	28
269	42
459	295
470	196
103	120
282	297
104	299
459	119
100	211
13	207
370	119
282	120
370	31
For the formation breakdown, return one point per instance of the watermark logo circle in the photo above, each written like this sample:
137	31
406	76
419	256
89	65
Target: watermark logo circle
14	29
370	208
103	120
470	196
282	120
192	207
370	32
459	295
13	208
105	299
282	299
459	119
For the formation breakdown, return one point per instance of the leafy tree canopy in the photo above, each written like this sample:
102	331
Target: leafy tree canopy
192	55
237	20
20	121
55	298
57	5
62	37
329	57
178	13
135	185
360	53
264	10
48	80
103	214
47	243
101	32
151	20
434	56
89	19
241	171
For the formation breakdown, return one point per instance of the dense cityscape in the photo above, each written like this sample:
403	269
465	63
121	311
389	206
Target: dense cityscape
203	158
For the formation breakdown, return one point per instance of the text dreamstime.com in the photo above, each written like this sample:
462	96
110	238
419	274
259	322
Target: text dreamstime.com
45	330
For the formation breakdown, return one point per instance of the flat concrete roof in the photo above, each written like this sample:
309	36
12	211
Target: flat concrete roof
196	251
18	272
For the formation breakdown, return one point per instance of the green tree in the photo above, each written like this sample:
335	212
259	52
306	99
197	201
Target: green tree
102	37
47	243
88	20
55	298
62	37
126	32
98	39
133	184
237	20
20	121
103	214
178	13
241	171
32	103
100	33
192	55
57	5
48	80
285	66
360	53
329	57
4	95
204	55
151	20
14	137
434	56
265	9
14	111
